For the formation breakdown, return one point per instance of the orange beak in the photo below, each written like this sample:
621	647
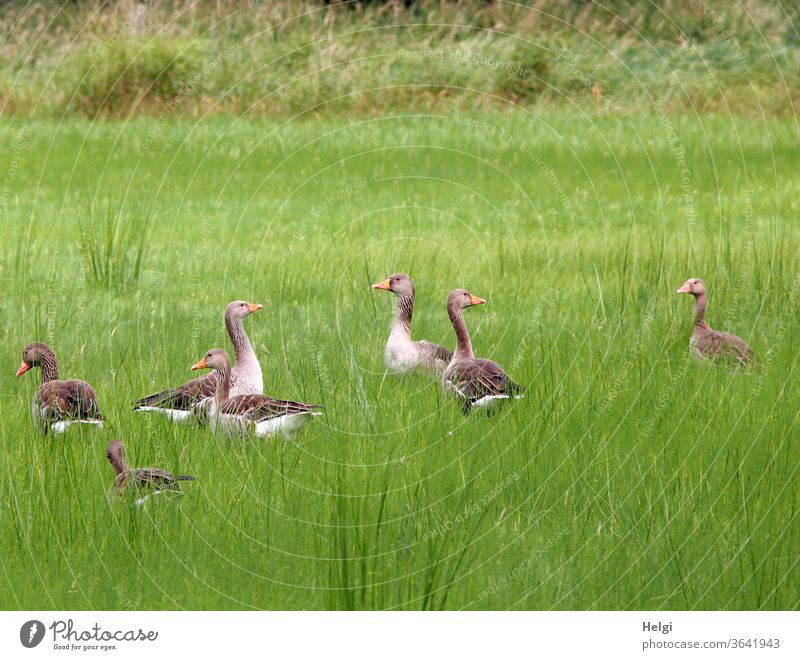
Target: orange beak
385	285
474	300
685	289
254	307
22	369
199	365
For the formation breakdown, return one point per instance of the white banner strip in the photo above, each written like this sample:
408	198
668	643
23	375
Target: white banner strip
401	635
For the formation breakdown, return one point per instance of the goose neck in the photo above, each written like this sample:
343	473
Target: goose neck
701	301
241	343
119	464
405	310
49	366
222	390
463	343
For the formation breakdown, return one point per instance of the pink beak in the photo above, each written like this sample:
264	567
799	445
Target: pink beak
685	289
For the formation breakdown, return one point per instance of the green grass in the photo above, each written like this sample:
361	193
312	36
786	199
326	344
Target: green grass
629	478
288	57
114	245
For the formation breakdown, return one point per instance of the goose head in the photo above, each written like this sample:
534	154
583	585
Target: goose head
400	284
461	299
239	309
694	285
215	359
115	453
33	355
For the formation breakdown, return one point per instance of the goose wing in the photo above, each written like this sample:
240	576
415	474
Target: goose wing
475	379
725	346
161	479
183	397
259	408
435	353
69	399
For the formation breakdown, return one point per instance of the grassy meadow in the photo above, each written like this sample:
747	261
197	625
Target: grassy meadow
629	478
288	57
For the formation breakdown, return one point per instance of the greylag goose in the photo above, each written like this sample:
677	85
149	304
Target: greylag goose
479	382
58	404
263	414
182	402
708	344
402	353
140	477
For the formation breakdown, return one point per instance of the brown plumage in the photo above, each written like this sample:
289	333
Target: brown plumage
479	382
58	403
402	353
709	344
179	402
264	414
258	408
140	477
